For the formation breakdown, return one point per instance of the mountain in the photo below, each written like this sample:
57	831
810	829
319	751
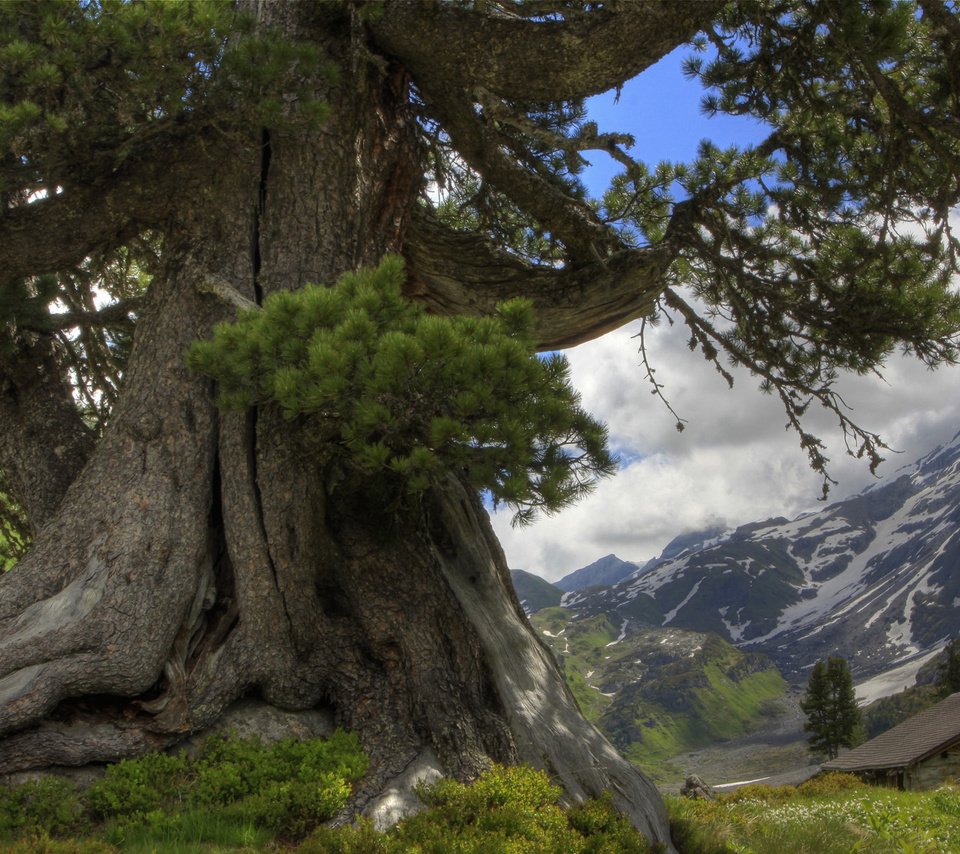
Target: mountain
687	541
872	578
533	591
658	692
607	570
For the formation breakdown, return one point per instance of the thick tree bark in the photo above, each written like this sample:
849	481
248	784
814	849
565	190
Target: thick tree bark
454	272
199	558
44	442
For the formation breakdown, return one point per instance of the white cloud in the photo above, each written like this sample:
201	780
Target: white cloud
734	463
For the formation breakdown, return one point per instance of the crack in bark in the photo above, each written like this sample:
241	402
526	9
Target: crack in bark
259	211
252	415
223	615
251	443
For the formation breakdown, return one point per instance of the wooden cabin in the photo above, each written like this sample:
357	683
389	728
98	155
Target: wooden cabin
920	753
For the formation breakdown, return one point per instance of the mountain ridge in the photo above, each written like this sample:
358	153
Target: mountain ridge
602	572
867	577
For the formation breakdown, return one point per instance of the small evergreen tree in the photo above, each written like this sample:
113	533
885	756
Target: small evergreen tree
830	704
948	674
403	398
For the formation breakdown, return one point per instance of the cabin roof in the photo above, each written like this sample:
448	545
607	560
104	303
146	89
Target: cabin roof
914	740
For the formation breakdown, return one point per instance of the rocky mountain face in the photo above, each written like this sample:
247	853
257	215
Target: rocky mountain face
874	578
658	692
608	570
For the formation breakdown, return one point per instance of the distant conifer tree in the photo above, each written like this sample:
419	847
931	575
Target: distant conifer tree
830	704
948	674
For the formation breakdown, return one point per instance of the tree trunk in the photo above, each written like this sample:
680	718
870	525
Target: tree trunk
200	558
44	442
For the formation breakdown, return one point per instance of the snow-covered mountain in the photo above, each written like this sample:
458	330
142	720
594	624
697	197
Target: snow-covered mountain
874	578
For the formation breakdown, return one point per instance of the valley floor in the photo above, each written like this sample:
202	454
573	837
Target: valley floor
775	755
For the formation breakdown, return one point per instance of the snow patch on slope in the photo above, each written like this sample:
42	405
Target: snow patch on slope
894	680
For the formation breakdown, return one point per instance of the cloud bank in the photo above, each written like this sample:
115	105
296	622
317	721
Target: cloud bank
734	463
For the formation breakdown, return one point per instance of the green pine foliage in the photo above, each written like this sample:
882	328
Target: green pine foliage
100	81
830	704
404	397
828	245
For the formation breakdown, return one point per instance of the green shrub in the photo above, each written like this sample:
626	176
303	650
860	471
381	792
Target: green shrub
604	830
135	787
230	786
828	785
290	787
292	809
360	838
509	810
50	805
44	844
761	794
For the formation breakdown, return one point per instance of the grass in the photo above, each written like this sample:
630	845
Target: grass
241	796
835	814
693	698
196	830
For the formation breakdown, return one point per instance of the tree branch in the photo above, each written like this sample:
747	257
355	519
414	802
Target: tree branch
568	220
454	272
537	60
115	314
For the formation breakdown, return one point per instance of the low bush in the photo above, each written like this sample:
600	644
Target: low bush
828	785
239	795
233	792
510	810
50	805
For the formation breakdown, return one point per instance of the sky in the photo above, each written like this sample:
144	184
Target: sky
734	462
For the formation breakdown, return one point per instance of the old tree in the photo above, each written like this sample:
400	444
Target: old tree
164	167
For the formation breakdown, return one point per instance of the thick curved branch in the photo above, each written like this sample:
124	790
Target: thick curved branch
455	272
528	60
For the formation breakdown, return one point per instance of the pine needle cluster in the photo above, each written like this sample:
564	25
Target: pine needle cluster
405	397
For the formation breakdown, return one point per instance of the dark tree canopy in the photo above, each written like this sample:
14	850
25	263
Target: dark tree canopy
164	165
830	704
948	672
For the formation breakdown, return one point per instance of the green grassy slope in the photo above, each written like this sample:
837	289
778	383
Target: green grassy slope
533	591
660	692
